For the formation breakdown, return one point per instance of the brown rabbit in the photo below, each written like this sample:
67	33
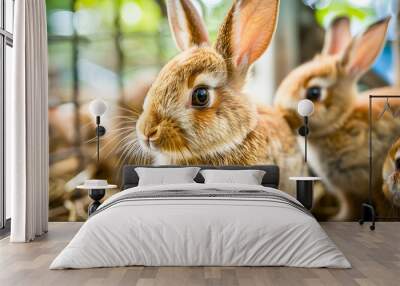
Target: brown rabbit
196	111
338	143
389	205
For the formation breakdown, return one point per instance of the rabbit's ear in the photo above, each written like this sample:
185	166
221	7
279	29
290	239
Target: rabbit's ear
363	50
338	36
247	32
187	27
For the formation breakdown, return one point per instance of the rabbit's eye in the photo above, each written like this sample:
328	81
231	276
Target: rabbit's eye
200	97
314	93
397	163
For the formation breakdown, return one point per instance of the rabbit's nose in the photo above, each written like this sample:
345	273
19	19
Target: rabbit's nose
151	134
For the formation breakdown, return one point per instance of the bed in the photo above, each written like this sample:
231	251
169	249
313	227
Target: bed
198	224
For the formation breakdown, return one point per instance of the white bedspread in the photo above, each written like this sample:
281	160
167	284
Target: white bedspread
200	231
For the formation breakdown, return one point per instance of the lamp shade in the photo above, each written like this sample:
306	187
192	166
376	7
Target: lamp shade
97	107
305	107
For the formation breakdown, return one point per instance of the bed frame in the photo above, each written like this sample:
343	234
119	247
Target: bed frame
130	178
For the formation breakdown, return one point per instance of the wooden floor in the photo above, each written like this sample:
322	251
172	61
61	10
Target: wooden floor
375	257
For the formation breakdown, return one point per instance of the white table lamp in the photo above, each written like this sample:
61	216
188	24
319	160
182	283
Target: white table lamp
98	107
305	108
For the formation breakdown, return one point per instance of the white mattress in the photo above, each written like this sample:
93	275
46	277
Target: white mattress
205	231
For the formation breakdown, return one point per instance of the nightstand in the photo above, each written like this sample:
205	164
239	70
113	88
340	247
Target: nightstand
96	193
304	190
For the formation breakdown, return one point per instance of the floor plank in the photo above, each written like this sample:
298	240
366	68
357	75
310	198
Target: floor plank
375	257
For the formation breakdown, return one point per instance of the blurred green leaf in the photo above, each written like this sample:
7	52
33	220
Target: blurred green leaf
356	13
140	16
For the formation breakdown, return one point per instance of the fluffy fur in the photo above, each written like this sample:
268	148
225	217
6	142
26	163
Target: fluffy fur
390	204
338	143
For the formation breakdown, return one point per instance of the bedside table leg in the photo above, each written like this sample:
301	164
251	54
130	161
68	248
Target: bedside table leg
96	195
93	207
304	193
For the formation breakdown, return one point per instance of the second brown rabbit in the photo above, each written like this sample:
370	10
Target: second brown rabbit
388	203
338	143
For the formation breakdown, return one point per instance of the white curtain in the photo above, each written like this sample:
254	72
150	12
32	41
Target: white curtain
27	124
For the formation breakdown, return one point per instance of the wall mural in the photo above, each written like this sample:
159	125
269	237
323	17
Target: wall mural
194	107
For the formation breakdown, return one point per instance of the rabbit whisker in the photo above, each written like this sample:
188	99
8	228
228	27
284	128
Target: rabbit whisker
132	111
90	140
114	150
122	155
124	117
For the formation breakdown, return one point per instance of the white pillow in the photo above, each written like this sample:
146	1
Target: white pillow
248	177
166	176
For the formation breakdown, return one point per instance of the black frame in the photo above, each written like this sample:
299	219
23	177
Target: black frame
368	209
6	39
